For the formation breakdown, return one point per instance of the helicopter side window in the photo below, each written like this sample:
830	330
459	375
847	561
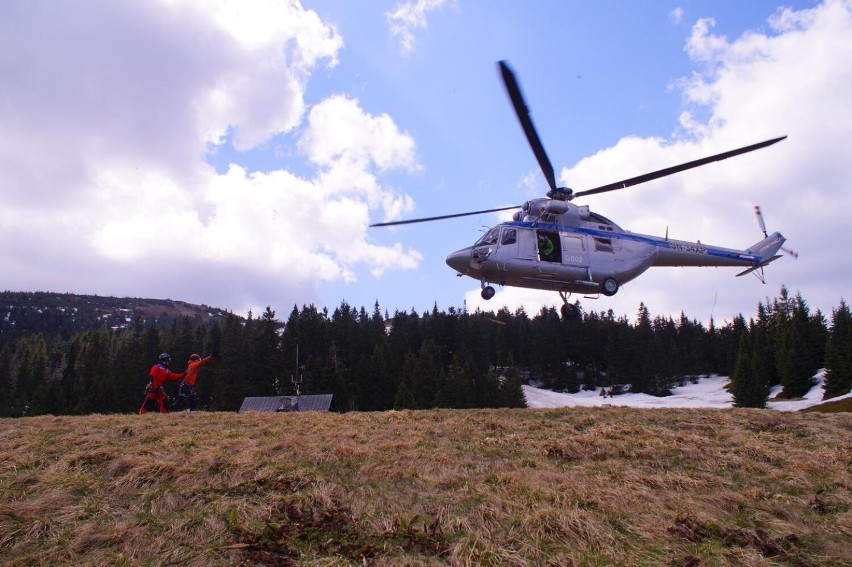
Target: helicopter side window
510	236
603	244
490	237
572	243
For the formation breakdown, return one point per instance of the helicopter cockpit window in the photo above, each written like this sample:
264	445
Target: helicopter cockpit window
510	236
490	237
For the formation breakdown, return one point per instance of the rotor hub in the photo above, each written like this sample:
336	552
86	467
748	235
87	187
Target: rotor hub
561	194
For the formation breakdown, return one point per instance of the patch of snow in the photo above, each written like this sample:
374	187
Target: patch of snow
707	392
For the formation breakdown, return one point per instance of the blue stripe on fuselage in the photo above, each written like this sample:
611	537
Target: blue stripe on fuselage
652	240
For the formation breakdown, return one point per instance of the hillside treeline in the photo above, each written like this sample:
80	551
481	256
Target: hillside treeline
65	314
454	359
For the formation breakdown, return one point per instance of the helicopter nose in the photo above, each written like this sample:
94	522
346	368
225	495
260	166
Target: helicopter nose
460	260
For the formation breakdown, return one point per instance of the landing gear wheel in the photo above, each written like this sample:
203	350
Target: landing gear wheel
609	287
487	292
569	311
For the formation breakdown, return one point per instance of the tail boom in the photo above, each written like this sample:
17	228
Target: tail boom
681	253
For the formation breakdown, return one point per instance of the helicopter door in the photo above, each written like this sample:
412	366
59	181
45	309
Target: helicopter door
574	251
508	243
549	248
527	249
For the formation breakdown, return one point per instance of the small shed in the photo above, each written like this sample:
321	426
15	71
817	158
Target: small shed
308	402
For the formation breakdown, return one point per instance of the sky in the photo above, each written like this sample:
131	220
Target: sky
233	153
705	392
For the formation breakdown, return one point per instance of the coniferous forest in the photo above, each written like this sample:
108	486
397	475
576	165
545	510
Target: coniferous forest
59	359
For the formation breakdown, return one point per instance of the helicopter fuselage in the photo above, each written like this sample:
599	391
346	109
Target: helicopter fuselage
587	253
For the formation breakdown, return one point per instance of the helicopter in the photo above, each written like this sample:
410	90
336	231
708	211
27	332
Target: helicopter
553	244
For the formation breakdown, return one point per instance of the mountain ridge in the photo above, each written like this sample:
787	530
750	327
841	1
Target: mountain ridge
50	312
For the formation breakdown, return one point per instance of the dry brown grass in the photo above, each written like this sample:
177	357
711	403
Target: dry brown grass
602	486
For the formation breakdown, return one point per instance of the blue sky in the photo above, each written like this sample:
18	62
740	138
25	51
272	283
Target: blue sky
234	153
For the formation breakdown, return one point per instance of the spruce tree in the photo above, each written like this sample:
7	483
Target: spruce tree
511	389
404	397
95	368
767	327
32	371
748	383
7	382
838	353
641	379
795	359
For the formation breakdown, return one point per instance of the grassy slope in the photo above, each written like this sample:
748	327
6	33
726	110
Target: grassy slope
832	406
593	486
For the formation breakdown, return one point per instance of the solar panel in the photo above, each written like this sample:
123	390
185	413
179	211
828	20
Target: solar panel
266	404
312	402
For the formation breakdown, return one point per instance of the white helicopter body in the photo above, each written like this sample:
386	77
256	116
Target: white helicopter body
590	253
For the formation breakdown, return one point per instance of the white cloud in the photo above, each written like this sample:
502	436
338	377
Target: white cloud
261	95
107	113
407	18
341	131
676	15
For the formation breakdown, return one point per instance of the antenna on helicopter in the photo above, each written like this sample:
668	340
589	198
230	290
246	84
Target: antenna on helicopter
762	225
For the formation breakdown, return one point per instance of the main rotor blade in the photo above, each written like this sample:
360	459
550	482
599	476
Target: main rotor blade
676	169
410	221
526	122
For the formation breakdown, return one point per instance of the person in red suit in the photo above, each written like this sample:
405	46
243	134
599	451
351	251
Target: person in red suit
155	392
187	398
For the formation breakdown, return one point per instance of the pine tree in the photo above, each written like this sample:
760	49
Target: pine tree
618	359
264	353
94	366
796	363
642	375
727	345
129	370
32	372
748	383
838	353
486	387
7	382
404	398
511	389
374	390
456	388
425	372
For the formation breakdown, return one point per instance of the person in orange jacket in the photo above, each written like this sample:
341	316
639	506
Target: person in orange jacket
187	398
155	391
